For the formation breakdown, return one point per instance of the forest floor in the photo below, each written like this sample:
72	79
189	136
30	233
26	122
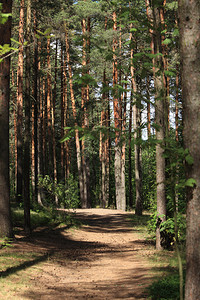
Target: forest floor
106	258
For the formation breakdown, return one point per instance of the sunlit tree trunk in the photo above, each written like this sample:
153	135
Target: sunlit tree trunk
84	104
148	108
53	108
120	199
78	148
5	216
62	108
65	120
130	153
27	139
160	126
189	25
44	118
49	109
35	108
104	141
20	105
136	128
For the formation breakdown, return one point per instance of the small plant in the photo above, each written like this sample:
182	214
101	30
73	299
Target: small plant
66	193
5	242
165	288
168	227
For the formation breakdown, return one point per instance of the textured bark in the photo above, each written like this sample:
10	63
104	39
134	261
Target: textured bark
84	104
189	24
44	118
53	122
49	109
27	138
130	154
120	200
20	105
5	217
35	104
123	157
148	109
78	148
136	128
160	127
15	129
65	119
62	108
104	148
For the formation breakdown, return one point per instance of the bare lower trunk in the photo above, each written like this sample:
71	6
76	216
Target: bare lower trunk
20	106
189	16
27	139
78	148
5	216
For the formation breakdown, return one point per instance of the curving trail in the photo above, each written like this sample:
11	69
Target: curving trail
104	259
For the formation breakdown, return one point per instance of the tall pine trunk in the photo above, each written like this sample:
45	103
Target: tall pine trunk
160	126
189	25
5	216
120	199
20	105
136	128
78	148
27	224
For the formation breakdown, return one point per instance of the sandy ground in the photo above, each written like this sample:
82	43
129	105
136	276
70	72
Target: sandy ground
104	259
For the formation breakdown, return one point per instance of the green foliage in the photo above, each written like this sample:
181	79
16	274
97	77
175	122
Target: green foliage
5	242
67	193
40	218
3	17
165	288
168	227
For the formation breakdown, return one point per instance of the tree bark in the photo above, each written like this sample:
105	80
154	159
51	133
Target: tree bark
160	126
136	128
20	106
5	217
35	107
189	25
27	139
78	148
120	201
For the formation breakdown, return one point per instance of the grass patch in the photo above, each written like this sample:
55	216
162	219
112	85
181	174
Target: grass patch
164	264
44	217
165	288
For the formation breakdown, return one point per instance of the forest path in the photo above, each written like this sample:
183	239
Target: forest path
104	259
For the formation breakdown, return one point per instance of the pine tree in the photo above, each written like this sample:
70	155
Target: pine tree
5	217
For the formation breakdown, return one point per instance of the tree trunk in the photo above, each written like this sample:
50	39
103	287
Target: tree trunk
65	120
189	16
130	154
35	123
148	109
5	217
136	128
20	105
78	149
27	140
49	109
160	128
120	201
53	108
62	110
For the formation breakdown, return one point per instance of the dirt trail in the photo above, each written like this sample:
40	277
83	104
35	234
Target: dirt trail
104	259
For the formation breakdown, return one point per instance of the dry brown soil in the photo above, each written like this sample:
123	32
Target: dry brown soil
103	259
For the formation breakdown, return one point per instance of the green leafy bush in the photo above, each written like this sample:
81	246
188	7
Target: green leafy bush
168	227
66	193
165	288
